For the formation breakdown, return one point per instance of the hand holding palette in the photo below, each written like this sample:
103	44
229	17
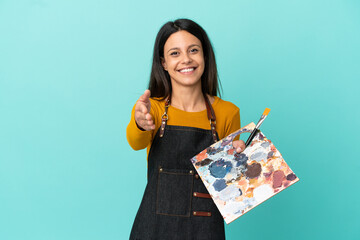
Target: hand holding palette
238	182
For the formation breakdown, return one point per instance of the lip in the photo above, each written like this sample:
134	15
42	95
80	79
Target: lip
187	72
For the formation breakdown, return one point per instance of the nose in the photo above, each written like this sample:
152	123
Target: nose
186	58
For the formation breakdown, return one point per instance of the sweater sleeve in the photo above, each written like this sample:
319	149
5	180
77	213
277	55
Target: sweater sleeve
234	123
137	139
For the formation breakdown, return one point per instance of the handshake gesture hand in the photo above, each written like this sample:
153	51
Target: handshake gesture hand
143	118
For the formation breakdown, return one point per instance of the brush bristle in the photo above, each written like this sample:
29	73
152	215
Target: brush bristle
266	112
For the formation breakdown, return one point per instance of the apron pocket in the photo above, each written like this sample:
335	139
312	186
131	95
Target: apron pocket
174	192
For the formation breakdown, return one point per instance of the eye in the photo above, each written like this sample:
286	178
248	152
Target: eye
194	50
174	53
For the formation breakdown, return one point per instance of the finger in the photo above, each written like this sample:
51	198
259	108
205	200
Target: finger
150	122
148	116
152	127
143	116
148	127
236	145
145	100
145	123
145	97
239	145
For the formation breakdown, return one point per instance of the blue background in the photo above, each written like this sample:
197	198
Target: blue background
71	70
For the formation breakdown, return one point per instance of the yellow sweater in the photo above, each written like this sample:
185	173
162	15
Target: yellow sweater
227	121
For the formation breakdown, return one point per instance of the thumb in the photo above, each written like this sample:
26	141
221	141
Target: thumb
145	97
145	100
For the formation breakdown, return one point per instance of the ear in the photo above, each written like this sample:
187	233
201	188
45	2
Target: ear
163	63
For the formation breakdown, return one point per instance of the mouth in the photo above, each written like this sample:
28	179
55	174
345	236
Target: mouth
187	70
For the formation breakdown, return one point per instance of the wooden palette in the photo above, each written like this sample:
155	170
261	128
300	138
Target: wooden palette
239	182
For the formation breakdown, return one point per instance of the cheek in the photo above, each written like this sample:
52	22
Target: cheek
201	61
202	71
202	64
171	65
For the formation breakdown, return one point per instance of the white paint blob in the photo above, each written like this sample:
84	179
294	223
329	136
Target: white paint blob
229	193
263	192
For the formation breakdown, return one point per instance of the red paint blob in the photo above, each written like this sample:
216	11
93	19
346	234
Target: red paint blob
278	177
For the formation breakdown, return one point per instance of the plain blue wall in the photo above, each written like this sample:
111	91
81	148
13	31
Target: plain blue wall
71	70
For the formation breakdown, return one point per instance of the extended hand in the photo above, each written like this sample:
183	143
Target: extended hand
143	118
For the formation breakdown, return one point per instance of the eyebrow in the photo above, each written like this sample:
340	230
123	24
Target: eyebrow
192	45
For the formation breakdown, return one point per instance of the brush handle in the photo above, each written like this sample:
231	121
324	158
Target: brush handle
252	135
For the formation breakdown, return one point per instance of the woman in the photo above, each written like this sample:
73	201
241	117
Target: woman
179	116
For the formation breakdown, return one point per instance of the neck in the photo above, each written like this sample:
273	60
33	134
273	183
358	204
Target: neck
188	99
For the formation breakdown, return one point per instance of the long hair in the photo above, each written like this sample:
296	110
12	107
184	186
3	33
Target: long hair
160	83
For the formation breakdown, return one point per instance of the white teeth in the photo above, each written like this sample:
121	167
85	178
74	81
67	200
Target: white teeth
187	70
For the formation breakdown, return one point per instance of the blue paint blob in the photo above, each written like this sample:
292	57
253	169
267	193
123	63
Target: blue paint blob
219	184
204	162
220	168
258	156
226	141
240	158
265	144
213	150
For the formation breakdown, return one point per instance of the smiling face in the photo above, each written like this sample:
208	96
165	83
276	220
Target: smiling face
184	59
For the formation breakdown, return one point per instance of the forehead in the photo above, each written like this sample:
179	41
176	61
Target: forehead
181	39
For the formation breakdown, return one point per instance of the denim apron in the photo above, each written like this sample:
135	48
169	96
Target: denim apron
176	204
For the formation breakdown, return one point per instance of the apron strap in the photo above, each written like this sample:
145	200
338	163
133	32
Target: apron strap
210	114
164	117
211	117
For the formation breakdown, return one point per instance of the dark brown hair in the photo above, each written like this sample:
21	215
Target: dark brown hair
160	84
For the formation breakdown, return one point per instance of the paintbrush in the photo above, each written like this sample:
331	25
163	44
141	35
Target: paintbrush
256	129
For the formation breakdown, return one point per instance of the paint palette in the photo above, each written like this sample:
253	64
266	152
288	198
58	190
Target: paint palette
238	182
